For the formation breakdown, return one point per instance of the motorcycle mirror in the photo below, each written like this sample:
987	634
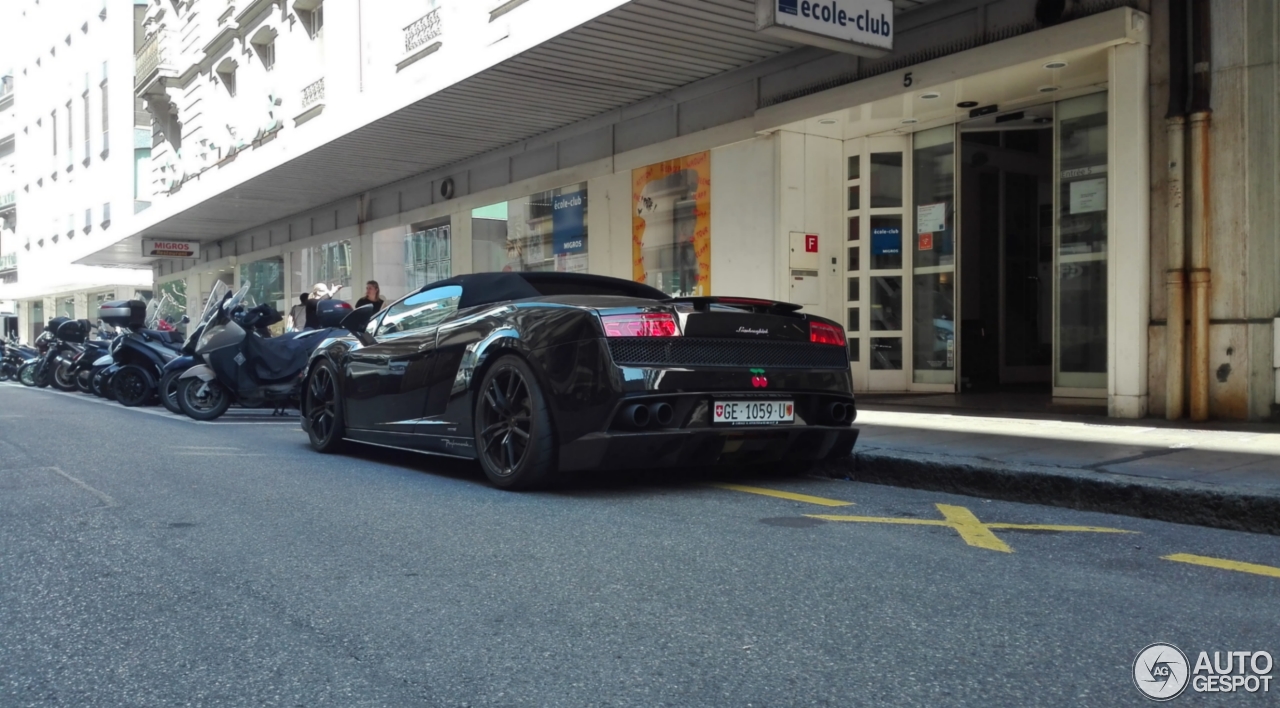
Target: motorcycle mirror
358	319
186	319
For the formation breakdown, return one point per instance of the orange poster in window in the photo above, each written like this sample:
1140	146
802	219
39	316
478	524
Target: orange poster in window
671	225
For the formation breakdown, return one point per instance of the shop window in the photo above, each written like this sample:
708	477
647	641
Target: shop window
671	225
67	307
546	231
330	264
428	256
266	282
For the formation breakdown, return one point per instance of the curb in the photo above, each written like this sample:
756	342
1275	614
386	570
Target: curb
1085	490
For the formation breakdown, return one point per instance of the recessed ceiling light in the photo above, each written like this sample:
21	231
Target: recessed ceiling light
966	104
1056	65
909	121
1047	89
1043	120
828	121
930	96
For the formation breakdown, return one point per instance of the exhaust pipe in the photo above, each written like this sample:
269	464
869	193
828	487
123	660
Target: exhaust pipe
636	415
837	412
662	414
850	412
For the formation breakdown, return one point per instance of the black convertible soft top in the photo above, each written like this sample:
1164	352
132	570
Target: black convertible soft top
486	288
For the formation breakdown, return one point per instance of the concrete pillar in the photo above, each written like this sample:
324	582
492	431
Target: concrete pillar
1129	231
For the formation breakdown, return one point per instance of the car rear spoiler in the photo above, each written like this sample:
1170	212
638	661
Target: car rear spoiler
751	303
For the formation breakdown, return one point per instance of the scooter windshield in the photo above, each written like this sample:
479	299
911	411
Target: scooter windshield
214	303
237	299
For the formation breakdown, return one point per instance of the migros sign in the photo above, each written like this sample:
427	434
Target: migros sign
856	26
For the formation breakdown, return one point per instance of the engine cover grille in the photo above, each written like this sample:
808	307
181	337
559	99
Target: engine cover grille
698	351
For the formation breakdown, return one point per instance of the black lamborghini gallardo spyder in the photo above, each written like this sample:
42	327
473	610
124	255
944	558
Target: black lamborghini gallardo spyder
534	373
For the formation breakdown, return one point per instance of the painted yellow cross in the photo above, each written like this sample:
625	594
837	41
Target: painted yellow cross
973	531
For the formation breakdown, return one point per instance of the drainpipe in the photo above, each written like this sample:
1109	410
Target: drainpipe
1176	275
1201	235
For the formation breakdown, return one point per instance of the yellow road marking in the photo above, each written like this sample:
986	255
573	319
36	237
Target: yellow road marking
821	501
1224	564
974	532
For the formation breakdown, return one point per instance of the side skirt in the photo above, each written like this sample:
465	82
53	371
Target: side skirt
456	448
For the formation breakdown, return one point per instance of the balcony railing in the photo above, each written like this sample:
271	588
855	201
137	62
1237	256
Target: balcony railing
422	31
153	59
6	86
313	94
9	261
8	200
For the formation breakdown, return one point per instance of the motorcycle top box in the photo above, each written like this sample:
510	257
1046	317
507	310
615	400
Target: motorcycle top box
74	331
124	313
55	323
330	313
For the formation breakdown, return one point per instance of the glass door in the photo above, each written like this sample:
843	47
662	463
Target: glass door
1080	308
876	217
934	348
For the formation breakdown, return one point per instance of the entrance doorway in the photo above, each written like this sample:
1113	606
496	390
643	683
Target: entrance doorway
1006	273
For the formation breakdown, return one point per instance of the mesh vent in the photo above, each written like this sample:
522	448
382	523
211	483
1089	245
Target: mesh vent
693	351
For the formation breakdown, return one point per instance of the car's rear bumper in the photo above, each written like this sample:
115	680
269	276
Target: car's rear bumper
707	446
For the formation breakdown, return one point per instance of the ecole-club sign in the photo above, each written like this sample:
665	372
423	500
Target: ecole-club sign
163	248
863	27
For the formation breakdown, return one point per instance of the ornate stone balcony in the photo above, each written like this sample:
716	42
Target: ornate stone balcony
155	62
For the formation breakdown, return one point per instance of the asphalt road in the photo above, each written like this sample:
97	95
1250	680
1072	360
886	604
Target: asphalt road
147	560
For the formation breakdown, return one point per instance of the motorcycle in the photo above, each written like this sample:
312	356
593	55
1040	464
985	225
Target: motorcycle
12	357
82	367
140	354
237	366
59	344
33	372
169	377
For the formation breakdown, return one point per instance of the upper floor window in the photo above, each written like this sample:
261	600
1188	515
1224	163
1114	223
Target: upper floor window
264	45
311	13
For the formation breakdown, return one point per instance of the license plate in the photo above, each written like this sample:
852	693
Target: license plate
753	412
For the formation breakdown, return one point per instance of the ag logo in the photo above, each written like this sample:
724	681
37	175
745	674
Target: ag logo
1161	671
758	380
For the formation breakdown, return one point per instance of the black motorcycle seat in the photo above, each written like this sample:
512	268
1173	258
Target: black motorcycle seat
281	358
163	337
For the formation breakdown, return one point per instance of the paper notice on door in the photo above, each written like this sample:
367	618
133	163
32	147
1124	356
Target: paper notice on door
1089	195
931	218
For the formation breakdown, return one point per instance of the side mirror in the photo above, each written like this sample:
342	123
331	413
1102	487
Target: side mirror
186	320
358	320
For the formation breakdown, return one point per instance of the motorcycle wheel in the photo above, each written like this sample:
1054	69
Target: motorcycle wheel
132	386
83	381
63	379
203	400
6	372
41	375
169	392
27	374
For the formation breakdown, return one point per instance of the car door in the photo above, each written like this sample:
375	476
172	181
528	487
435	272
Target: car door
386	388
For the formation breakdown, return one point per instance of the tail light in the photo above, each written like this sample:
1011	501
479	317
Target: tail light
648	324
823	333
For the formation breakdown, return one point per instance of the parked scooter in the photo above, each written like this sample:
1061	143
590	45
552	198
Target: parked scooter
240	367
82	368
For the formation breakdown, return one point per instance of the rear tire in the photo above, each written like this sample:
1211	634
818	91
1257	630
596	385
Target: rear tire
514	440
169	392
132	386
83	381
323	409
202	400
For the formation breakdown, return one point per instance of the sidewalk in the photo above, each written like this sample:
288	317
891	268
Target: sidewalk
1221	475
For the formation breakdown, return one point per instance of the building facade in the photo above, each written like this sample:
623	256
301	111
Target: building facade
70	165
986	206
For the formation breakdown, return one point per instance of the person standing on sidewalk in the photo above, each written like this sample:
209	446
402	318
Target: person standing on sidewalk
372	296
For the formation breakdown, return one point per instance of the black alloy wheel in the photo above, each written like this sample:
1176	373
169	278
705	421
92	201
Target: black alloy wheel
514	440
84	379
63	379
323	410
202	400
169	391
132	386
